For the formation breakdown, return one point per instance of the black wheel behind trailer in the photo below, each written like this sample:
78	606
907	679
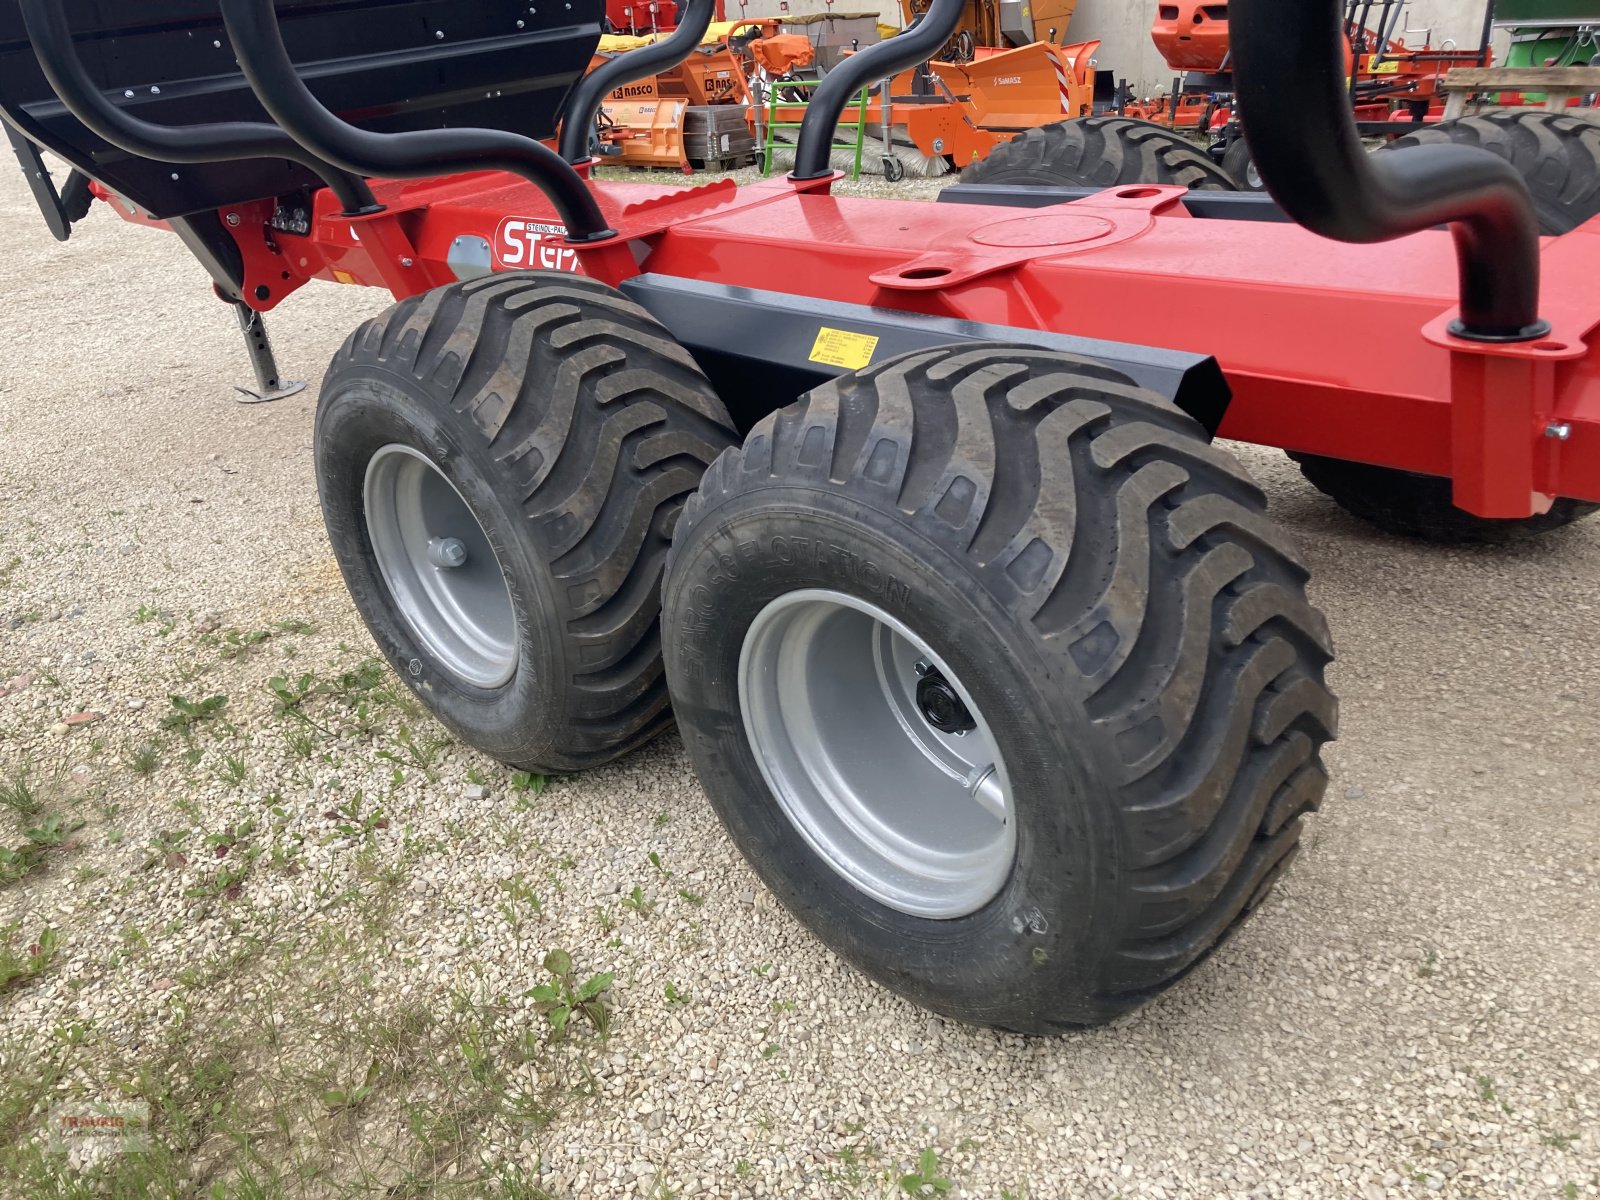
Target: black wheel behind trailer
1419	506
1559	156
1001	678
1241	167
1100	152
501	464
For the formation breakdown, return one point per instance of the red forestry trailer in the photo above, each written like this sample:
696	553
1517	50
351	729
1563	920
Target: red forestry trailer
997	670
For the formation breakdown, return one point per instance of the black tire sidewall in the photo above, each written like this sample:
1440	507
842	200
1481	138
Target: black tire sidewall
1066	154
1560	205
358	417
999	966
1237	163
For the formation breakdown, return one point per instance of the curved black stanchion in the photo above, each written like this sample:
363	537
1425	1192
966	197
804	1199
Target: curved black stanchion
1312	161
258	43
593	88
228	141
888	58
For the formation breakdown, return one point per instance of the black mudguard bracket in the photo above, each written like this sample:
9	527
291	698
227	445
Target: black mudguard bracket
756	346
60	213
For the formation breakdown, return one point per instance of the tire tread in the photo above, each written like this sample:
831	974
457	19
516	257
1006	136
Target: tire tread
603	426
1151	577
1101	152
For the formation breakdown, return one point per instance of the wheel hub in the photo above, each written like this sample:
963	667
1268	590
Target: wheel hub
440	567
941	707
877	754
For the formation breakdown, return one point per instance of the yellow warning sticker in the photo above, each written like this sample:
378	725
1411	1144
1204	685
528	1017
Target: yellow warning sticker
1392	67
841	348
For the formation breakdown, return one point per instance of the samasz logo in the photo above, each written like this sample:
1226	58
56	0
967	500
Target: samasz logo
524	243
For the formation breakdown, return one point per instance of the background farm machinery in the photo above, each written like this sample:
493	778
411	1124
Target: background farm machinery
1392	84
1389	80
694	113
1003	69
998	74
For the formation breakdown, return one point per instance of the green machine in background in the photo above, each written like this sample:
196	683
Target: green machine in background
1549	33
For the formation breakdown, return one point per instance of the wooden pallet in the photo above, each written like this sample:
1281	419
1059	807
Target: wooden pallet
1560	85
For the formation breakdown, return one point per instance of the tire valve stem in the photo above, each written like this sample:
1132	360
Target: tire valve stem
447	553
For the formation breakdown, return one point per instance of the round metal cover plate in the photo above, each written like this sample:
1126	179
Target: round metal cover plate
1044	229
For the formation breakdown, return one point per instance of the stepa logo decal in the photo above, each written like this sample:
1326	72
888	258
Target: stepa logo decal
521	242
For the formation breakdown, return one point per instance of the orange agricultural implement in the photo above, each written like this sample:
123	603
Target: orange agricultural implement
1192	35
1194	110
646	16
960	112
664	121
990	99
1391	86
1387	78
644	133
986	25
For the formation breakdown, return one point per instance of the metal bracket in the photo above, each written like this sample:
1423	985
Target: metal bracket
60	212
269	386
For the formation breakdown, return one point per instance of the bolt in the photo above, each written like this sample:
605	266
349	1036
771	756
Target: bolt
217	43
406	262
128	93
447	552
522	24
155	91
439	33
233	220
1558	430
174	177
923	667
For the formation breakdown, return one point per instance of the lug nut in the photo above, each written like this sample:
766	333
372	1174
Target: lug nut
447	553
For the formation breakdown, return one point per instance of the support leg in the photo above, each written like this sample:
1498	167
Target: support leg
268	385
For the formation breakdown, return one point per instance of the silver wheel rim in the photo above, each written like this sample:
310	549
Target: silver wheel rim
440	567
1252	177
919	819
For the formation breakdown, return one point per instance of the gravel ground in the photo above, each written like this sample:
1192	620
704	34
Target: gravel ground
302	926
